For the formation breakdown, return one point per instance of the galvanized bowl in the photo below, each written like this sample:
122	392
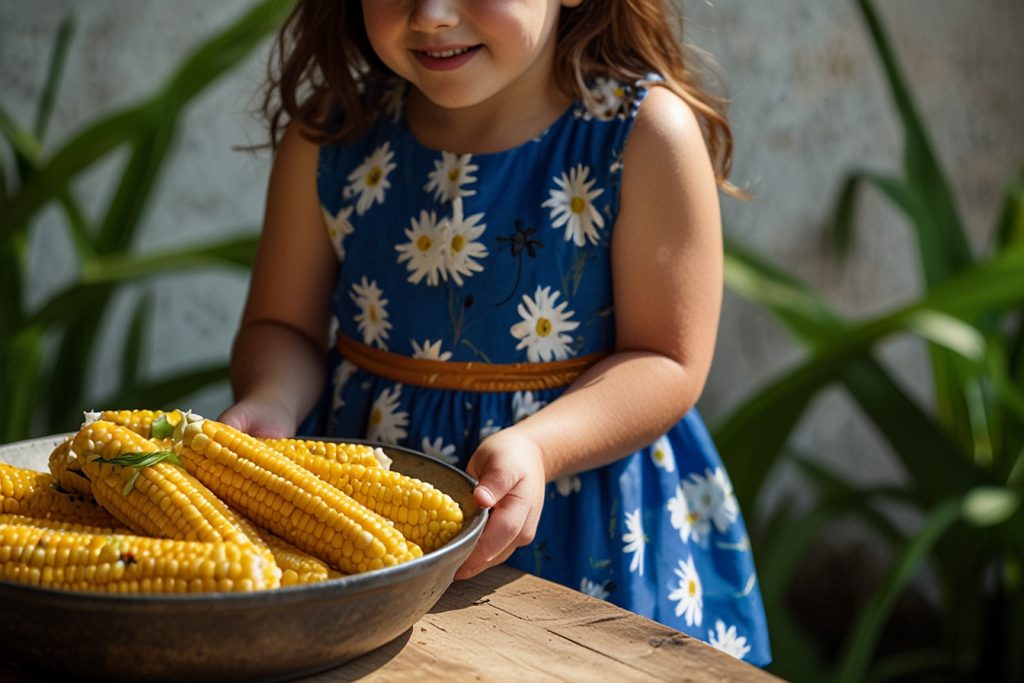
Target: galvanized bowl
268	635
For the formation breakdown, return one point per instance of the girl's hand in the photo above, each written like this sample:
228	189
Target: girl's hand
258	418
510	469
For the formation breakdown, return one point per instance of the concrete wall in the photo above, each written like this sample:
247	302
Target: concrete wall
808	104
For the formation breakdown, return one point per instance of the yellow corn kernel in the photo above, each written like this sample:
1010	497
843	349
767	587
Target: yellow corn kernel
332	450
426	516
65	468
62	525
296	567
290	501
160	500
139	421
37	494
115	563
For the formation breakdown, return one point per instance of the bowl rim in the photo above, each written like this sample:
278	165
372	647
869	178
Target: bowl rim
283	595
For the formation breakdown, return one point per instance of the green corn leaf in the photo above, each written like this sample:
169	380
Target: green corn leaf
862	641
139	461
161	428
56	68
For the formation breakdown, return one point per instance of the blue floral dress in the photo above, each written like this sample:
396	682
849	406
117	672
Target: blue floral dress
504	258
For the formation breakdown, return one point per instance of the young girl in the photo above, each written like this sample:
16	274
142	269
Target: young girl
503	216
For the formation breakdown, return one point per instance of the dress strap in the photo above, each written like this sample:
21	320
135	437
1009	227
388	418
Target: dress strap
465	376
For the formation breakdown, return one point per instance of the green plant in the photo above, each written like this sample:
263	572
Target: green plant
46	353
963	455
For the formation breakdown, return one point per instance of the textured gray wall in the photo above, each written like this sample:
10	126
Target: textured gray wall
808	104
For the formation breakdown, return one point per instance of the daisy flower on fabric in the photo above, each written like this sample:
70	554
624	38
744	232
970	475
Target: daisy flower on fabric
342	374
592	588
727	640
489	428
686	514
542	330
462	245
635	541
717	499
450	173
572	206
387	423
688	595
338	228
370	178
372	319
429	350
425	250
568	485
606	98
662	455
440	450
393	99
525	404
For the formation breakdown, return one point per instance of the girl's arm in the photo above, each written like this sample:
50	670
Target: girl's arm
277	362
667	272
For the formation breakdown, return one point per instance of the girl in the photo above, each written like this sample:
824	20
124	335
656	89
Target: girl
503	216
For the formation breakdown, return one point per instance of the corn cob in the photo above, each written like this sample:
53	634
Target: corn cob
296	566
65	468
161	499
61	525
288	500
36	494
115	563
336	451
427	517
139	421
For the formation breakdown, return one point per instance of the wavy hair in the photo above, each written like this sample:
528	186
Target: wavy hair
323	61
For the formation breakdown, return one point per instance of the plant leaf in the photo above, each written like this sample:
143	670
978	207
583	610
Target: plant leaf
161	428
990	505
138	461
56	68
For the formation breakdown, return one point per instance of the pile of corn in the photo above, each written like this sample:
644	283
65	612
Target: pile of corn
150	502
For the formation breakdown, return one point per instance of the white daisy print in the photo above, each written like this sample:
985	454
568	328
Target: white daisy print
597	590
429	350
440	450
370	178
387	423
686	514
342	374
489	428
717	499
568	485
728	640
689	595
542	330
338	228
372	319
635	541
393	99
662	455
425	250
572	206
606	98
450	173
462	245
525	404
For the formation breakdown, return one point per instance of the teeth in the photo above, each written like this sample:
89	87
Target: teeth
446	53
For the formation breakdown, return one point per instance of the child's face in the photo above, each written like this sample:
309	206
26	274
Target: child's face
459	53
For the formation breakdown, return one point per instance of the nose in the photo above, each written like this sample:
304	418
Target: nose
433	15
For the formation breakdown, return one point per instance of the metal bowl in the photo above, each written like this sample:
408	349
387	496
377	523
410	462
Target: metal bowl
267	635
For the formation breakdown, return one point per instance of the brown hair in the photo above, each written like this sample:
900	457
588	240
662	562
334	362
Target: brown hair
323	61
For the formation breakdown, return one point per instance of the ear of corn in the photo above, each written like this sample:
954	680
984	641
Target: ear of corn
64	466
362	454
141	421
424	515
288	500
36	494
160	500
297	567
61	525
114	563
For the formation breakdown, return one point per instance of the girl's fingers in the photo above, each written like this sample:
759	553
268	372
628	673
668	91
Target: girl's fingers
501	535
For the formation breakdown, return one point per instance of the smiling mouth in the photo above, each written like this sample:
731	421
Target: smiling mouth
446	53
447	59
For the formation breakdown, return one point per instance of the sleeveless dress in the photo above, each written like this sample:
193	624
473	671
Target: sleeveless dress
504	258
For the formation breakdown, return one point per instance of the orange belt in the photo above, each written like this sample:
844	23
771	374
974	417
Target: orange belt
440	374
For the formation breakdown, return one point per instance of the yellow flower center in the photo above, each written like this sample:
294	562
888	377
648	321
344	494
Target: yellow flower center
453	174
578	205
375	417
373	176
423	243
372	313
692	587
692	517
659	455
458	242
543	327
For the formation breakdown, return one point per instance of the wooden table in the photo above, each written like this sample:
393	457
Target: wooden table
504	625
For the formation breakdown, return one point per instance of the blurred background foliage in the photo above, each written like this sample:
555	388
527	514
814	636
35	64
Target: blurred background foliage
961	449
